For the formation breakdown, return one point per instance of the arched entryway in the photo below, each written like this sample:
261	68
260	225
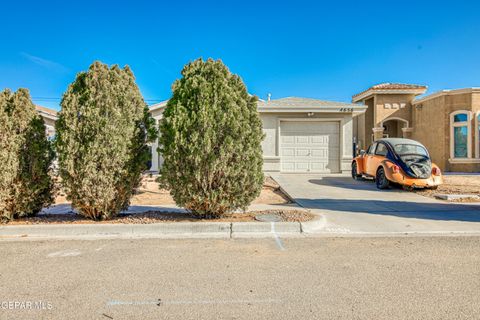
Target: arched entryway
395	128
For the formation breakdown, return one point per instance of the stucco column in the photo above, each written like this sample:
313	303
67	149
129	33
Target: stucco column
377	133
407	132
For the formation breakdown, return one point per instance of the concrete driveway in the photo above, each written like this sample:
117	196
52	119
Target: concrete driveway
350	206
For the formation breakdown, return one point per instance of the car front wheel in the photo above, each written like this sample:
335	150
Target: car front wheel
381	179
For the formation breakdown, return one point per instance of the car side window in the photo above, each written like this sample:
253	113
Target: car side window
381	150
371	150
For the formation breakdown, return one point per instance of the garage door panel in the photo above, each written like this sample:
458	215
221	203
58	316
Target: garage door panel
288	152
302	152
302	166
310	146
287	139
301	139
317	139
319	153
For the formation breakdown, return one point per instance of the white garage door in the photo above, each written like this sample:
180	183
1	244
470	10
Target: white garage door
310	146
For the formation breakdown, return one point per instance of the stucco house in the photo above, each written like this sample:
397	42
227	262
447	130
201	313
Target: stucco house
446	122
49	117
301	135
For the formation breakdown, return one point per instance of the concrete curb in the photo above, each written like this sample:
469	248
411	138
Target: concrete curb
314	226
154	230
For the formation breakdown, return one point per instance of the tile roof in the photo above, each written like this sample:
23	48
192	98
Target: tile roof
301	102
391	86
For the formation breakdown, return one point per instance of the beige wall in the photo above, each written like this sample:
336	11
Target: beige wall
431	120
393	106
431	128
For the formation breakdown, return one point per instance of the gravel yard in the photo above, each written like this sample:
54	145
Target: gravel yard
456	184
150	194
157	216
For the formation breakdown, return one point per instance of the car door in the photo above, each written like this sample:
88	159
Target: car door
370	159
379	155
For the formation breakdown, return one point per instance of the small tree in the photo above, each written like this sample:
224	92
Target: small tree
102	135
26	156
210	140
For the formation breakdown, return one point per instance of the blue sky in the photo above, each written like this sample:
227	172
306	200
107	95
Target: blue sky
328	50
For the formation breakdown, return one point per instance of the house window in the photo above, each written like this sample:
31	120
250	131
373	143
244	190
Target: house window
460	135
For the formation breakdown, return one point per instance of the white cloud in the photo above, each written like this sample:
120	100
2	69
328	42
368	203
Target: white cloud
44	62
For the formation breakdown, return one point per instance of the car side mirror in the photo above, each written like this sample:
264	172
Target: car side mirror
362	152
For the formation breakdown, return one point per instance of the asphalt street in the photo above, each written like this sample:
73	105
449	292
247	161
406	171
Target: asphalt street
313	278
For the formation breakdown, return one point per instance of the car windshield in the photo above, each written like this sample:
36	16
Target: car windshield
404	149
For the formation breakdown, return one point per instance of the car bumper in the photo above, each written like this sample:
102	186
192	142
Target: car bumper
433	181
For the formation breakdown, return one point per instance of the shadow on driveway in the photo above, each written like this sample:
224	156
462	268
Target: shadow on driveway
406	209
349	183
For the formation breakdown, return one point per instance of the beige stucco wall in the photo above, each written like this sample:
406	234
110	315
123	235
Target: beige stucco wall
388	106
431	120
430	127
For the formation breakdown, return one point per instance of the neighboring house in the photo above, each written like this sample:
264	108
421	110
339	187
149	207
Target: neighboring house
446	122
49	117
301	135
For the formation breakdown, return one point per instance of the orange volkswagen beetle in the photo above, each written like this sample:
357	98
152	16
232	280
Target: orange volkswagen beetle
396	160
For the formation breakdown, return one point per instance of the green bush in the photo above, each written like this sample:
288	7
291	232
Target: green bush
26	185
102	135
210	138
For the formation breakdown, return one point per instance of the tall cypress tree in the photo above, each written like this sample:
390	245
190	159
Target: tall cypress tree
26	156
210	138
102	135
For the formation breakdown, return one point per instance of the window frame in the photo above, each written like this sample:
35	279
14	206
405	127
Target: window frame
454	125
373	146
386	150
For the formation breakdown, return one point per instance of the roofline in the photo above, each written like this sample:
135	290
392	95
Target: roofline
446	93
317	109
271	108
369	92
157	106
47	115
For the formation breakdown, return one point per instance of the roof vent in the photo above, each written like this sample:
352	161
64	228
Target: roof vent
269	96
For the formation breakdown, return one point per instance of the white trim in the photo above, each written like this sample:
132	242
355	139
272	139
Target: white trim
395	118
344	109
156	106
446	92
322	109
467	123
47	115
477	135
464	160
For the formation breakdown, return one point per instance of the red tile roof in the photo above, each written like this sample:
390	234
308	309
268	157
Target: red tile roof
392	86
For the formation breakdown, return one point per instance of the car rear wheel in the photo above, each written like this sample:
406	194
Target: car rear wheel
355	174
381	179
